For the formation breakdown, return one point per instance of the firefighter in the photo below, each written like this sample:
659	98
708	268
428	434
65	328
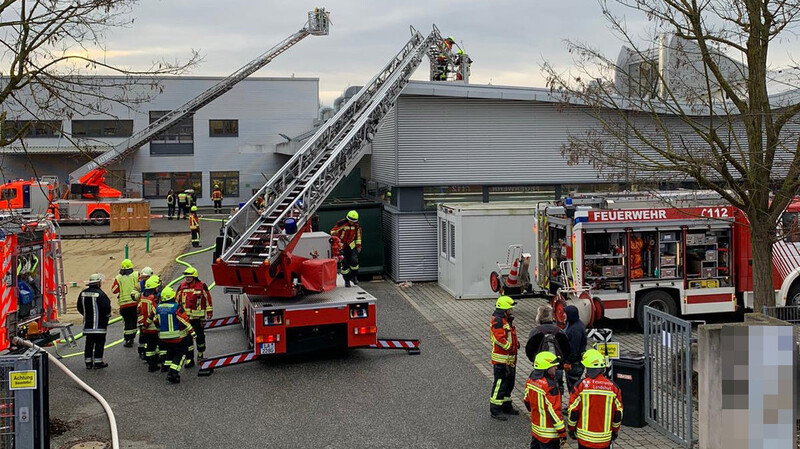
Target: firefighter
147	327
174	333
543	400
504	359
143	276
95	307
348	230
170	204
216	197
194	227
126	287
259	203
595	410
195	298
181	205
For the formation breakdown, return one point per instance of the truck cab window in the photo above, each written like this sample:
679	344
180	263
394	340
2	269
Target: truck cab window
8	194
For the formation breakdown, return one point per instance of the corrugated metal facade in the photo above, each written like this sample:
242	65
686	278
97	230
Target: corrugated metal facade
410	240
384	150
451	141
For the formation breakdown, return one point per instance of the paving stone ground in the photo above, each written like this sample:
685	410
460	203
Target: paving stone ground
465	324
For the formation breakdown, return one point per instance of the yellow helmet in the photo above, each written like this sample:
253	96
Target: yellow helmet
126	264
504	303
352	215
545	360
168	294
194	208
152	282
190	271
593	359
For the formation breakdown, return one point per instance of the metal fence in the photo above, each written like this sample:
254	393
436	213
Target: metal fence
668	393
790	314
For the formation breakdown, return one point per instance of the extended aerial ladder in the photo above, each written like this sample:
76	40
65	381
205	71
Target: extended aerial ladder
318	24
254	248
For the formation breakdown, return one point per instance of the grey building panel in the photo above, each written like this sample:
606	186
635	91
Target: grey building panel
390	243
384	150
452	141
411	238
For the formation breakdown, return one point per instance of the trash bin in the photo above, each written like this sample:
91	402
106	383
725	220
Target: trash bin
629	376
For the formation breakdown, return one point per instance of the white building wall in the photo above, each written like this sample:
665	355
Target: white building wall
264	107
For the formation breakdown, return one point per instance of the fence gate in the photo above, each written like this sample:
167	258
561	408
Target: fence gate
668	375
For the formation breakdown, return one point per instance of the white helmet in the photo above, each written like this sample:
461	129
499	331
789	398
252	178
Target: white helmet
95	278
147	271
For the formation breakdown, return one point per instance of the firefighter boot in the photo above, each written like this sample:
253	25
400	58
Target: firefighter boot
100	365
189	363
152	368
199	357
173	377
497	413
509	409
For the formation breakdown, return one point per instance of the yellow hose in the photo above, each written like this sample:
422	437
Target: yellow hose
177	260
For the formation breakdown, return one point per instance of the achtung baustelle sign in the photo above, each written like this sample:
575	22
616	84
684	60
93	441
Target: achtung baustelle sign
22	380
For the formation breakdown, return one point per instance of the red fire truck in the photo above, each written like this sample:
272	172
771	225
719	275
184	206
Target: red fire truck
32	288
612	255
88	200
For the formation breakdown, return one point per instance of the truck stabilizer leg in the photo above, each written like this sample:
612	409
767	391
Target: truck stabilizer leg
220	322
208	366
411	346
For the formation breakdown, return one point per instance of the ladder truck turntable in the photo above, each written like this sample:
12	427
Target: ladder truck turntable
612	255
88	198
282	277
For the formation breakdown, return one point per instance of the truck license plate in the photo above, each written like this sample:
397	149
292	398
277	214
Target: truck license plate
268	348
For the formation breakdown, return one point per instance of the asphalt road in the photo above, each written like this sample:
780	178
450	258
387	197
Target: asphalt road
356	399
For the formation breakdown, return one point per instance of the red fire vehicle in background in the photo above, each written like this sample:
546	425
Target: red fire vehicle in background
32	291
88	200
612	255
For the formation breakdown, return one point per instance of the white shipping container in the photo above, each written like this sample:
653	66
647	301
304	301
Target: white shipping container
473	237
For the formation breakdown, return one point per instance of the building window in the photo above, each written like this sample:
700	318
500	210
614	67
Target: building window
44	128
177	140
228	182
521	193
223	128
102	128
157	185
643	79
431	196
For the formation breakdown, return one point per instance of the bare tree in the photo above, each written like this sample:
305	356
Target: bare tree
689	102
49	52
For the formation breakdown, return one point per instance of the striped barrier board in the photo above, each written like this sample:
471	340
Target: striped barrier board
220	322
208	366
411	346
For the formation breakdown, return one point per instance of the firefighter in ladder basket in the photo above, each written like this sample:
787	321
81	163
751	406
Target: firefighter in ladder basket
348	230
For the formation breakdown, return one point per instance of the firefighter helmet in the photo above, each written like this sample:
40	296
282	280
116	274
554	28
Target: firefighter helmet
190	271
95	278
147	271
126	264
194	208
504	303
168	294
593	359
352	216
152	282
545	360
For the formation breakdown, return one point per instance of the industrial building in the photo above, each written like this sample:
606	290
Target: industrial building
230	142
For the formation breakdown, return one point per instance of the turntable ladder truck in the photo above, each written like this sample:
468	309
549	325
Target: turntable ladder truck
282	278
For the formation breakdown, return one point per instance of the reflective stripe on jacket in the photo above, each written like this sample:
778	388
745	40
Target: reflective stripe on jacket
595	411
147	314
181	197
173	324
194	222
125	285
195	298
543	399
504	340
216	195
349	233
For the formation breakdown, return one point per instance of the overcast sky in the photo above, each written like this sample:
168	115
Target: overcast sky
507	40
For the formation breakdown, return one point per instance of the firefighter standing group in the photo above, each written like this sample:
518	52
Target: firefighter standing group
168	322
594	415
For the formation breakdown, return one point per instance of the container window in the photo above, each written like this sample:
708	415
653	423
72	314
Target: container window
452	241
443	238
